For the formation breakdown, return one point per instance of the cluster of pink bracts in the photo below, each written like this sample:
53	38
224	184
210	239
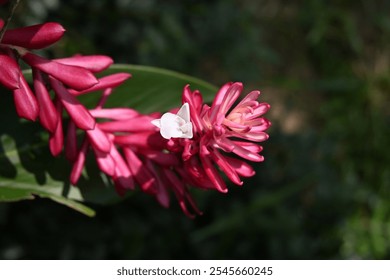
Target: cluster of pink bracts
127	146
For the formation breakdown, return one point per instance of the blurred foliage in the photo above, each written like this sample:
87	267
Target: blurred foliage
323	191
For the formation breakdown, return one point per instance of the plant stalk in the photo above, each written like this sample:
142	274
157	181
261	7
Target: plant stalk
14	4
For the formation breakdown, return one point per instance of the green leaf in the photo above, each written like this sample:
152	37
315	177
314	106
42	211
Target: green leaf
27	168
9	194
151	89
24	175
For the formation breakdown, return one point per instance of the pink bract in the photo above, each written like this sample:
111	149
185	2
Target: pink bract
34	37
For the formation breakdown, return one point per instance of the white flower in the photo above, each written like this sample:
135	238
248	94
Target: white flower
177	126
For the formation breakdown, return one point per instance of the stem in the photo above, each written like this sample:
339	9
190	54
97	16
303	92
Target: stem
103	99
14	4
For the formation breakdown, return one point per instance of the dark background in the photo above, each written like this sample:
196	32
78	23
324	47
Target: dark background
323	190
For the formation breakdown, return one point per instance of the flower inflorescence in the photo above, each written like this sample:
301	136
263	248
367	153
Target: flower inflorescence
174	152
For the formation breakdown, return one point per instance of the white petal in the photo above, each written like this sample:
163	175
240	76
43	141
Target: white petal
184	112
156	122
170	126
178	126
187	130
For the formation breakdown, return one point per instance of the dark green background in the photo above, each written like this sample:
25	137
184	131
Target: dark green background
323	191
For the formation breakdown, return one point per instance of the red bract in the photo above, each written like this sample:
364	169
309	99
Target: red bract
10	72
103	158
123	178
94	63
56	140
48	115
115	113
25	102
110	81
34	37
78	113
75	77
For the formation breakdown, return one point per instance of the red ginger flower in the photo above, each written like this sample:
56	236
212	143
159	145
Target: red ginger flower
127	147
222	129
